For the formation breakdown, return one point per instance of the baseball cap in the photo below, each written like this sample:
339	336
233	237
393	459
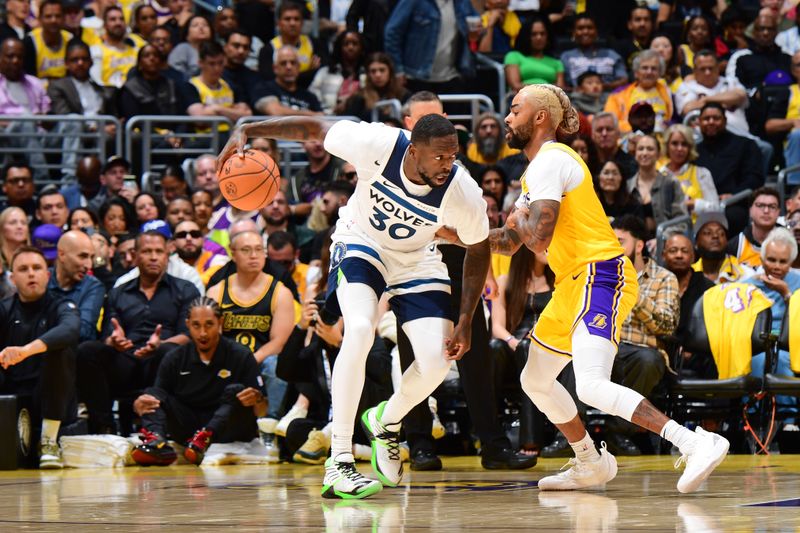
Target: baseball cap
778	78
157	225
45	238
116	160
704	217
641	107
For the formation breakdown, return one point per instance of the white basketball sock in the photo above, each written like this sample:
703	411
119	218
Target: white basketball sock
585	450
680	436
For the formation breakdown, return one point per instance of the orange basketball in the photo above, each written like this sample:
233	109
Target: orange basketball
249	182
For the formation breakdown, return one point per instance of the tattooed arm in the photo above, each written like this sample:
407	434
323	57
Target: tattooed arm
536	229
504	241
476	266
284	128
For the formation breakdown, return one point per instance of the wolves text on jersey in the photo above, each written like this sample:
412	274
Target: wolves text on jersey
394	214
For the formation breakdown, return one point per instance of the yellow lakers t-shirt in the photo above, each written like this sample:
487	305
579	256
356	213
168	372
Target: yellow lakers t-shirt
49	62
222	95
582	234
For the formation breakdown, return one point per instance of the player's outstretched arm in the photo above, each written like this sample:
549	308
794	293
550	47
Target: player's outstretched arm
504	241
295	128
476	266
535	229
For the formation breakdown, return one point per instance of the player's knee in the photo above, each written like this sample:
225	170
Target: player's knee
360	327
531	383
591	391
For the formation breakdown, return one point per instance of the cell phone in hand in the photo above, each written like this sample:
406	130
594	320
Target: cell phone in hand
129	182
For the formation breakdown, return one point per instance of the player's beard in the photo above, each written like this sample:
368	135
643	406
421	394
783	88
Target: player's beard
520	137
429	181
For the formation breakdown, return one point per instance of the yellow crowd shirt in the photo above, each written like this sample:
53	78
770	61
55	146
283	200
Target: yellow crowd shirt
305	51
49	62
111	64
222	95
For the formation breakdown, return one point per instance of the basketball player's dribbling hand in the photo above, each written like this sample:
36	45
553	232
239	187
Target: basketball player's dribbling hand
235	145
458	344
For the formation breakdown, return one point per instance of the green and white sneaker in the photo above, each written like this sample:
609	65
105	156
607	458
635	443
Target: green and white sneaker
386	459
50	455
342	480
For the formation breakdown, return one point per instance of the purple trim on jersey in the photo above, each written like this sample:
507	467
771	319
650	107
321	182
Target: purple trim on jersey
602	294
214	247
392	173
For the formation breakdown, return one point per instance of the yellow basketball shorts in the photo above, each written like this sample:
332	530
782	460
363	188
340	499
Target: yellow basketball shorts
601	294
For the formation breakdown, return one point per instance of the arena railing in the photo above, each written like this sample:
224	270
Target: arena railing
392	103
783	177
479	103
501	80
147	146
45	140
683	219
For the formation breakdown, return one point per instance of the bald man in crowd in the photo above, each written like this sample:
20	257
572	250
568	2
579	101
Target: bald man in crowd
70	278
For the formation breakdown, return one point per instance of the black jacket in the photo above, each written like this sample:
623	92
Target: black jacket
51	319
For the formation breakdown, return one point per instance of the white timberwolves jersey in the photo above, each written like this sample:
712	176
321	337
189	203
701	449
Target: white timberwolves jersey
390	210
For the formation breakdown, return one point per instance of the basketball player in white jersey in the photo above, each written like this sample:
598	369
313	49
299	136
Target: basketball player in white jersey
408	189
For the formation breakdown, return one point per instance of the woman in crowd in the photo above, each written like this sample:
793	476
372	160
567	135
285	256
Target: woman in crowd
173	184
147	91
611	187
381	84
696	182
662	44
185	56
529	63
335	83
203	205
83	219
147	208
697	35
14	232
585	147
514	313
145	20
492	180
659	194
116	216
178	210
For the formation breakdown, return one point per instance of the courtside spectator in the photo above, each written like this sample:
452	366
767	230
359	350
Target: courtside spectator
46	46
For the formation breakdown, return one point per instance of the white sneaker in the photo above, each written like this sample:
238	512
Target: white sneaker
266	430
583	474
387	460
50	455
342	480
708	453
294	413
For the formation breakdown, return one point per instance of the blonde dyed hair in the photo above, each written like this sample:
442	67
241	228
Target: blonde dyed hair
688	136
555	101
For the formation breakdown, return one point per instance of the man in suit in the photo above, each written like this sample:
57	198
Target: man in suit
78	94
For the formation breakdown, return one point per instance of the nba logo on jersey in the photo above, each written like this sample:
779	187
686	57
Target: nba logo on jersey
338	253
600	321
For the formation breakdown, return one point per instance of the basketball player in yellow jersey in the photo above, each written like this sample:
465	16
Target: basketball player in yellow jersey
596	287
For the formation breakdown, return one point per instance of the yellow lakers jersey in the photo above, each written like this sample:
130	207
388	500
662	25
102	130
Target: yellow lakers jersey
305	52
114	64
583	234
730	312
223	95
50	63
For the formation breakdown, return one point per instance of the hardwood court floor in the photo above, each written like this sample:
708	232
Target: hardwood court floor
462	497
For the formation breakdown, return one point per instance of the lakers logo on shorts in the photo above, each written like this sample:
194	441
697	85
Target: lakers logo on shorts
600	321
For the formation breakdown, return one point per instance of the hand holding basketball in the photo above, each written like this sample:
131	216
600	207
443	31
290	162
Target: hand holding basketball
249	182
